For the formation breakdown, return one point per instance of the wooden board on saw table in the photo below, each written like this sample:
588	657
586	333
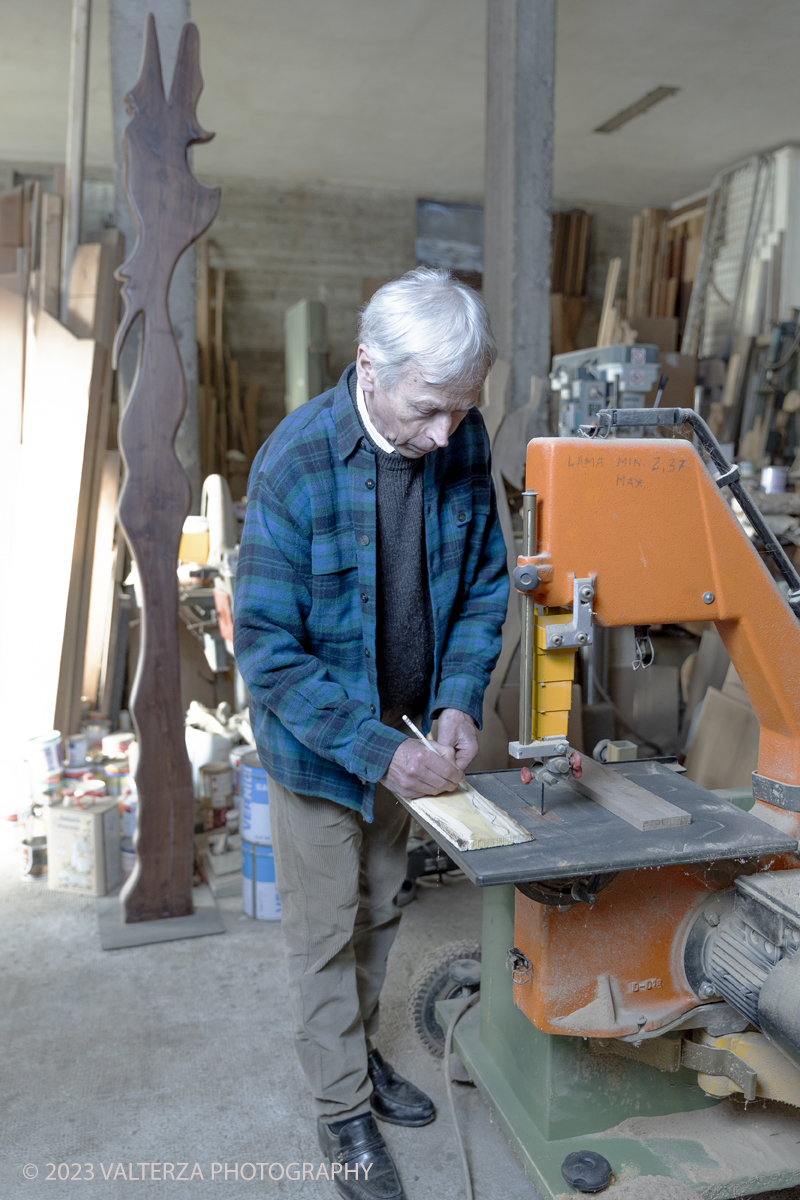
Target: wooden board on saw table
469	820
626	799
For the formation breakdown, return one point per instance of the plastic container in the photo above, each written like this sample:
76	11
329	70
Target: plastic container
255	824
194	540
260	898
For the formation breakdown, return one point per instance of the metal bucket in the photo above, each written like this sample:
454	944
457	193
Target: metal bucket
259	893
255	801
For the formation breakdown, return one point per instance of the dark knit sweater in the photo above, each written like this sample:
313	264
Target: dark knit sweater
405	635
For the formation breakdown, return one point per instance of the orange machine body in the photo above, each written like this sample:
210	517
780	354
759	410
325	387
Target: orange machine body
645	518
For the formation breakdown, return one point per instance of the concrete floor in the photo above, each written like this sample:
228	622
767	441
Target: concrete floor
182	1053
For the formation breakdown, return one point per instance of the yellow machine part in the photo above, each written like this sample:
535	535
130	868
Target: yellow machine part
553	672
778	1078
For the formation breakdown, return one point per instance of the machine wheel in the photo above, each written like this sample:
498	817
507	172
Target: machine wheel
433	982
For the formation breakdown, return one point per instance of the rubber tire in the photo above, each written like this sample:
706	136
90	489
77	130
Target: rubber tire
432	982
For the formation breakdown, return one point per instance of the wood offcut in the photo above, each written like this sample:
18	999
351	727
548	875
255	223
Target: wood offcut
626	800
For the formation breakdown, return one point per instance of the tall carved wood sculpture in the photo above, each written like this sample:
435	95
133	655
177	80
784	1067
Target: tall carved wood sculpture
171	210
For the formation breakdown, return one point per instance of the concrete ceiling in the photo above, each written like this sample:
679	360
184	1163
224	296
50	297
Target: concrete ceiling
390	93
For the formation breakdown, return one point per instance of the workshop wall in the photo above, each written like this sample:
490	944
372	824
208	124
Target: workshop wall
280	245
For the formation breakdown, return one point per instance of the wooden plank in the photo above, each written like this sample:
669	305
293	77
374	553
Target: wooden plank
252	396
626	800
76	142
558	243
633	265
571	257
101	596
469	820
82	294
94	304
607	320
59	405
219	371
583	254
50	257
724	749
237	421
108	659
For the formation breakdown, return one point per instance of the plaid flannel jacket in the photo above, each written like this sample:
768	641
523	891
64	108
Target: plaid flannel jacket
306	590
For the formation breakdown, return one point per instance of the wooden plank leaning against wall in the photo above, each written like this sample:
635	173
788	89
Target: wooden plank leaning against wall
56	404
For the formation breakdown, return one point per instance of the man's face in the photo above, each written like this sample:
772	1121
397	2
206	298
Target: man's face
415	417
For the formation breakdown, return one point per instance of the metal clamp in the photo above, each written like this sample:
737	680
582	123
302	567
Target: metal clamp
551	747
579	632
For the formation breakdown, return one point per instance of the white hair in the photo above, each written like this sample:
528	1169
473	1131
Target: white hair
429	320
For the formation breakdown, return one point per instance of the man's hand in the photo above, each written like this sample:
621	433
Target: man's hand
416	771
458	730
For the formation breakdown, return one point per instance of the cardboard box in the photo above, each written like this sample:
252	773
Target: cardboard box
83	848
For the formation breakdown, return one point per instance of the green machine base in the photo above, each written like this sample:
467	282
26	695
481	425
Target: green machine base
552	1095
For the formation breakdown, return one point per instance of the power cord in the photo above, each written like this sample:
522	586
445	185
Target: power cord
467	1002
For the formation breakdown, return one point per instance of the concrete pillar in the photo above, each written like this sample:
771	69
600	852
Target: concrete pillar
519	181
126	25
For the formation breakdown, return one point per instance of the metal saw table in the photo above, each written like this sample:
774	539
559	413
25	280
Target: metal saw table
589	840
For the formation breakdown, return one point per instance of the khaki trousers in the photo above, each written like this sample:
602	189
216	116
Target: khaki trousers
337	879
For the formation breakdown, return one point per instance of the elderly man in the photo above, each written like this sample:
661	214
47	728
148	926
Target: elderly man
372	582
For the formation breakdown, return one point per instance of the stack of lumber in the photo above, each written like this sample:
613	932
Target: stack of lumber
569	253
228	412
58	484
665	250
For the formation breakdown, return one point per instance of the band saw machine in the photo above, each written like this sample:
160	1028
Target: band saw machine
639	1016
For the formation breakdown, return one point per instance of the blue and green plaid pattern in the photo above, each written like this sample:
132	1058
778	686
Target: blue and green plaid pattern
306	591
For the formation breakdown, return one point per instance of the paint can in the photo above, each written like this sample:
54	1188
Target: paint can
255	801
34	858
46	789
77	749
235	759
116	744
203	747
259	893
45	754
95	730
115	771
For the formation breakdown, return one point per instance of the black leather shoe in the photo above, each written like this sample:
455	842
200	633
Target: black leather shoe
394	1099
367	1171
